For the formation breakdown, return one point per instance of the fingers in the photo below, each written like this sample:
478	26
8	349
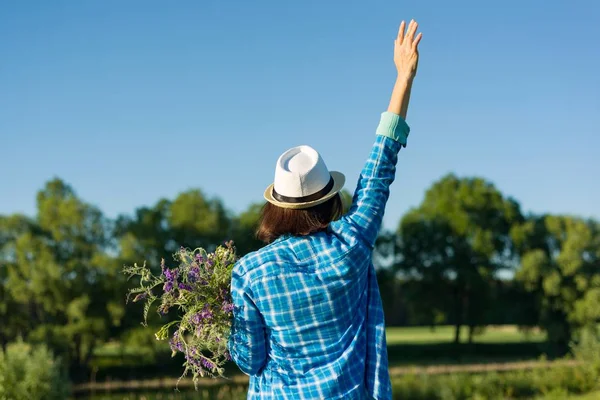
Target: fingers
401	32
417	40
412	28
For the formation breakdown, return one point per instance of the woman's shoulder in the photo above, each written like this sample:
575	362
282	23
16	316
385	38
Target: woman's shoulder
347	231
259	258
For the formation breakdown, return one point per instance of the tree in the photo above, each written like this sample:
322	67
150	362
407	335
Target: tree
59	272
146	235
454	244
560	265
198	221
154	233
14	315
244	230
346	199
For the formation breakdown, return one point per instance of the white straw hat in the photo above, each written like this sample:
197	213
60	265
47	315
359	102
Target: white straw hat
302	180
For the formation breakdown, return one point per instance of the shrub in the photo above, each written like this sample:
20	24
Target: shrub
587	348
521	384
31	373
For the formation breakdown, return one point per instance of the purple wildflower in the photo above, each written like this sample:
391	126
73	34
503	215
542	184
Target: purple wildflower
227	307
168	287
199	257
194	274
207	364
206	312
170	274
184	286
196	319
227	355
191	359
175	342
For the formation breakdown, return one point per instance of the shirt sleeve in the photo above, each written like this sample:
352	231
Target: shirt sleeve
393	126
373	189
377	376
247	342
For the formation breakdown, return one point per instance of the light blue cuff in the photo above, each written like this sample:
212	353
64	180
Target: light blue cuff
393	126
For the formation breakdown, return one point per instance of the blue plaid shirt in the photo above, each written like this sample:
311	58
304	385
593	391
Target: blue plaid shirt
308	320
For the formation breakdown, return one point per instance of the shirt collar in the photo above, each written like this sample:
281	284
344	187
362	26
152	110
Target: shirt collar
282	238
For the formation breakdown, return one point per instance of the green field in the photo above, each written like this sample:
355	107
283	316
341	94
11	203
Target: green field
419	346
402	336
588	396
445	334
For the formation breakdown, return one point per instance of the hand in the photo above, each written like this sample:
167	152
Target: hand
406	58
406	52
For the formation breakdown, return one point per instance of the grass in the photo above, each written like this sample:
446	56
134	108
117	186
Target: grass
423	346
395	336
445	334
588	396
595	395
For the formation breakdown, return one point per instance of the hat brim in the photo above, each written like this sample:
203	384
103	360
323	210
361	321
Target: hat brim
338	183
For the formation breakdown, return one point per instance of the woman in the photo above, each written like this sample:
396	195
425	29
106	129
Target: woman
308	320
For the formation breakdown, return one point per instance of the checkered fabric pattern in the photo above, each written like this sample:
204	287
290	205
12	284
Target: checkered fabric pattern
308	318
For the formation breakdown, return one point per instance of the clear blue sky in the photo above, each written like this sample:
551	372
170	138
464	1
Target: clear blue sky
130	101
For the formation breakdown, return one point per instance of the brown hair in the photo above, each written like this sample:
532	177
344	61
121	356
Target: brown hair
276	221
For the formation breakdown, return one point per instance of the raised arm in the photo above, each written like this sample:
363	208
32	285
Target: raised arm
373	189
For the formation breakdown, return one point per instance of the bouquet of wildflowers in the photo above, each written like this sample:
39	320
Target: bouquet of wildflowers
199	289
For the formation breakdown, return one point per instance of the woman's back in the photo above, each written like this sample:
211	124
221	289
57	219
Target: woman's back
312	294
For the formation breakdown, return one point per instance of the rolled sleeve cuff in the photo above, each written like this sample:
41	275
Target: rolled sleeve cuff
393	126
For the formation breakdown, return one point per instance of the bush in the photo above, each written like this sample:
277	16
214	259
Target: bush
30	373
587	348
508	385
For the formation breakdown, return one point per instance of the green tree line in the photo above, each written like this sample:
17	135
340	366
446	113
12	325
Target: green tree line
466	256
